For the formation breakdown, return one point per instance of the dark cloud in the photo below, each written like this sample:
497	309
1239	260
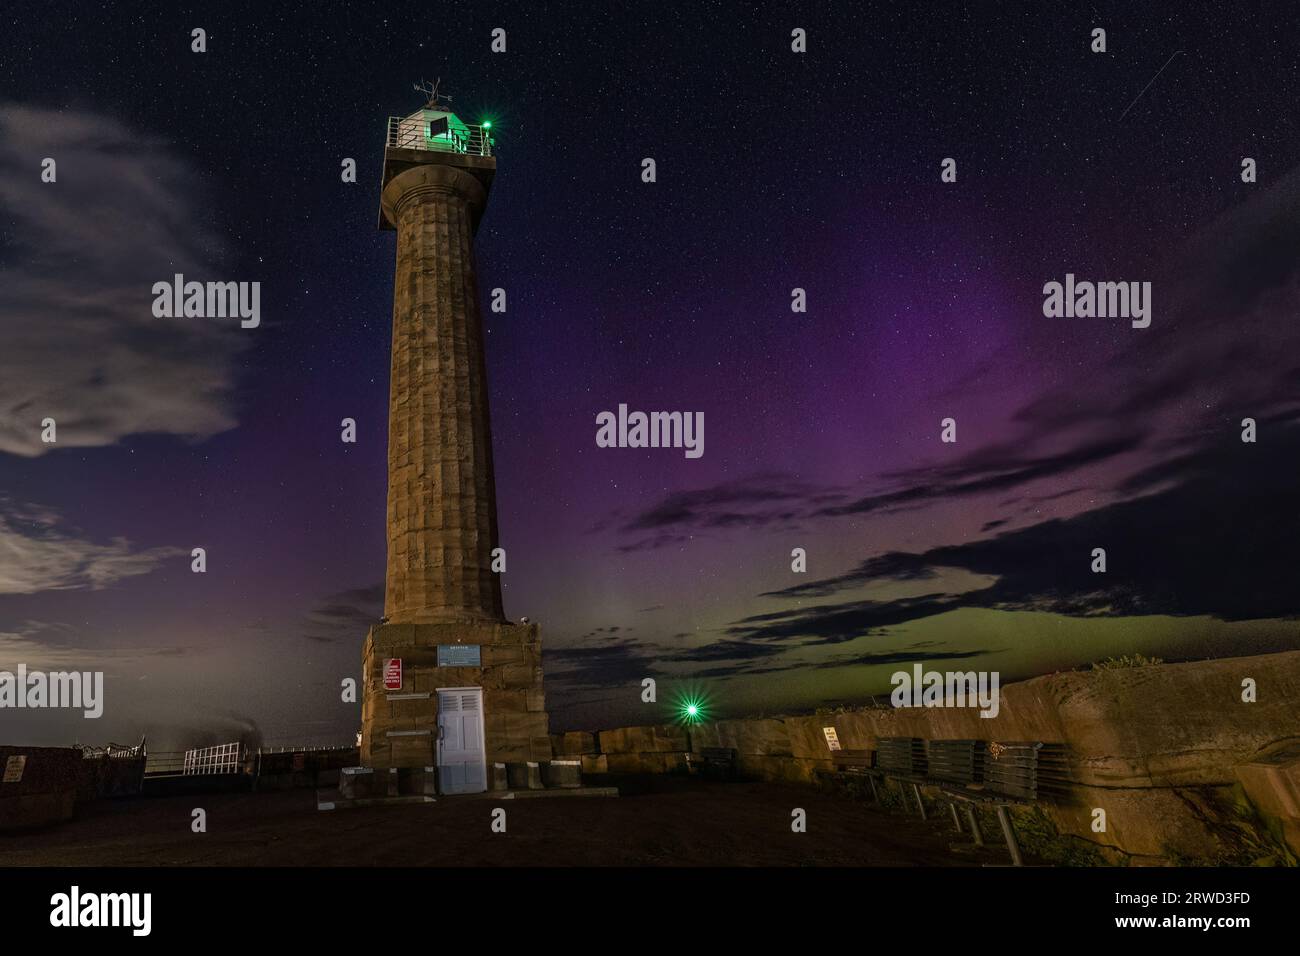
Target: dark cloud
1217	540
654	542
346	615
899	657
610	630
606	663
762	500
895	566
838	623
774	501
748	502
997	469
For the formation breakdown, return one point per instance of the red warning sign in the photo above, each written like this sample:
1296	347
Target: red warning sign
393	673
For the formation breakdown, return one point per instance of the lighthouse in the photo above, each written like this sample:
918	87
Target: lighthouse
450	687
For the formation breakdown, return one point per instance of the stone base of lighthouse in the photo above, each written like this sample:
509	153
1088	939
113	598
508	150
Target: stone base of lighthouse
399	726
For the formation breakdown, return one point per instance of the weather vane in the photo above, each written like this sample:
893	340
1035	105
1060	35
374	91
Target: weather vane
431	91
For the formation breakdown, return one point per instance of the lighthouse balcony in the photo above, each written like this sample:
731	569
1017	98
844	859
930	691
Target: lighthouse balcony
415	132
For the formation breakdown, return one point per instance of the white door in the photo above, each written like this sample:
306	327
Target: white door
462	764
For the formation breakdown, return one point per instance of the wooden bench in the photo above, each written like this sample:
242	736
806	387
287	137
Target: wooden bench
854	762
999	774
958	763
904	760
718	763
849	766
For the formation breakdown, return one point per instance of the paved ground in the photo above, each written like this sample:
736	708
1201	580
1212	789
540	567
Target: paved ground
659	821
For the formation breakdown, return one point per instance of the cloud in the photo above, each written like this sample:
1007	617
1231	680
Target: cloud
838	623
345	615
781	501
78	339
996	468
610	662
37	555
1210	532
1223	336
57	646
761	500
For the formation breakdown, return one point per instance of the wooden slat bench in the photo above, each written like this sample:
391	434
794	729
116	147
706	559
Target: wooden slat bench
902	759
856	762
1000	774
960	763
850	766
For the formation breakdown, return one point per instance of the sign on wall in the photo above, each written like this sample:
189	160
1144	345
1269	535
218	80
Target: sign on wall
14	768
832	738
459	655
393	673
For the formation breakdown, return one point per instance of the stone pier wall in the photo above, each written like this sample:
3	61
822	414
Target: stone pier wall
1170	751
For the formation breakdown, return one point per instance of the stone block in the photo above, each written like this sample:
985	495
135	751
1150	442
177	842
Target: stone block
649	739
1272	780
562	773
524	775
575	742
517	675
387	636
1272	784
762	737
500	654
498	779
421	781
357	782
595	763
646	762
506	702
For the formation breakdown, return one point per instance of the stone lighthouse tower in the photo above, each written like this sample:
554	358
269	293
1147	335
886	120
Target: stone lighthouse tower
450	686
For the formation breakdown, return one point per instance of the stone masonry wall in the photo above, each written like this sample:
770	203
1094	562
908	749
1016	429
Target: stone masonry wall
514	703
1156	747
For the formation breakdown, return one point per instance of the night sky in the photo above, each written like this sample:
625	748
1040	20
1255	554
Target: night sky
775	170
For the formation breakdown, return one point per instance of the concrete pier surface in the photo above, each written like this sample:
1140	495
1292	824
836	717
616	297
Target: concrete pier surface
656	821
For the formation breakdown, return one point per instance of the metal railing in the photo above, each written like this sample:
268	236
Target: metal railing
405	132
226	758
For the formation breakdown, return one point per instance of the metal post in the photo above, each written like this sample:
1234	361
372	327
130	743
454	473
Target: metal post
956	820
875	795
920	805
974	825
1010	834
